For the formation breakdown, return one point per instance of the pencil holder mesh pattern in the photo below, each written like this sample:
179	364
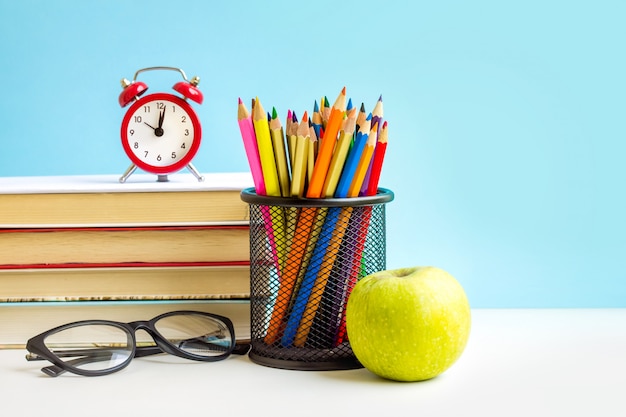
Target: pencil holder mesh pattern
306	255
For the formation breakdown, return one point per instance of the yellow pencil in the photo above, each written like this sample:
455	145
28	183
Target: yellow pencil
299	165
280	154
276	231
292	134
311	153
266	150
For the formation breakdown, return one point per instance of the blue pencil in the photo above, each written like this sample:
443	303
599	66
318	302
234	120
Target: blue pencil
308	281
352	160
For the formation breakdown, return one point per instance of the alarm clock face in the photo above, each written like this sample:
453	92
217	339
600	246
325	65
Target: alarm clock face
161	133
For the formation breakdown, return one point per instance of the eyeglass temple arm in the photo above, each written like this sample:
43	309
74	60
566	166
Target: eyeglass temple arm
88	356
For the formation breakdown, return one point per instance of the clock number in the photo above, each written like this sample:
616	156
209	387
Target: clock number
138	119
160	106
183	146
186	132
131	131
146	109
158	158
173	155
183	119
136	145
145	154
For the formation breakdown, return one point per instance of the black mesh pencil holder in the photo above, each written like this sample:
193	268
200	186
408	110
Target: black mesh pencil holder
306	255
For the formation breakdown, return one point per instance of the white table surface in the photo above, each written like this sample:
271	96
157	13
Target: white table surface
560	362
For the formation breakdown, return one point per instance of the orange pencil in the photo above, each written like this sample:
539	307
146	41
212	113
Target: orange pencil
306	221
339	155
337	220
325	152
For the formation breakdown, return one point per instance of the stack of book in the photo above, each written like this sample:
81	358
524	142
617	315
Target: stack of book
89	247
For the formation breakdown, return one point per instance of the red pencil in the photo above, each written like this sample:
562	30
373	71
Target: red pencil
377	164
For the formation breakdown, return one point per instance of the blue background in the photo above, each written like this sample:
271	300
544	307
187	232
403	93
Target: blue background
506	119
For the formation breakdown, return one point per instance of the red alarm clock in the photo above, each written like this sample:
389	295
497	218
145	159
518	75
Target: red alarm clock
160	132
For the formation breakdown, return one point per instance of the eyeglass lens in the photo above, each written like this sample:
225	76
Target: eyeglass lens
196	334
91	347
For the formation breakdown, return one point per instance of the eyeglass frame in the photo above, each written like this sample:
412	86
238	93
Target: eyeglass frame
39	351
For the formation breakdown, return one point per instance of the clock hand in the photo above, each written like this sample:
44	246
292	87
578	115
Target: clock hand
161	118
159	130
149	125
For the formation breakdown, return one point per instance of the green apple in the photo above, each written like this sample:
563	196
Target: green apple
408	324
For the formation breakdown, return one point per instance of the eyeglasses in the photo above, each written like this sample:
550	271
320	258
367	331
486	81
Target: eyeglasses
101	347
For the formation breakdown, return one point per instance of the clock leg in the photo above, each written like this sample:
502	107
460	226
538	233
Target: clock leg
128	173
195	172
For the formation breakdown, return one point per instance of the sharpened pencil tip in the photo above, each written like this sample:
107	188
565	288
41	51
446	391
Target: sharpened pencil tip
380	98
316	108
305	116
274	113
240	102
369	117
343	91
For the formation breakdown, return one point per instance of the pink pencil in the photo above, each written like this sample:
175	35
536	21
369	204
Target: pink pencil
252	148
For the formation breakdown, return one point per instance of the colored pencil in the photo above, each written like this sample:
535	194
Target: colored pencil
372	189
316	119
246	128
339	155
377	164
327	247
360	119
291	131
377	117
364	162
280	153
314	235
326	109
299	243
352	161
266	150
312	153
299	166
325	152
301	299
